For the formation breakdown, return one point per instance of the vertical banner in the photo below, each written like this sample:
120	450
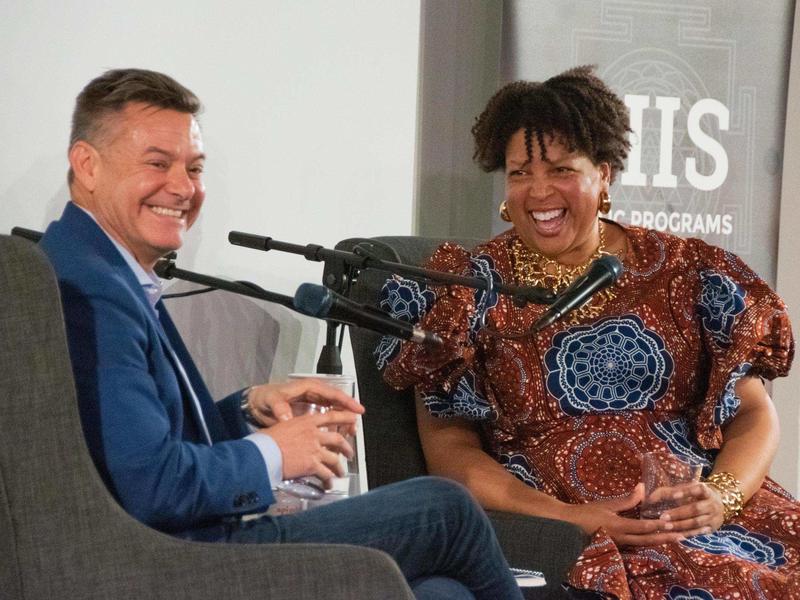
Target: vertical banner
706	85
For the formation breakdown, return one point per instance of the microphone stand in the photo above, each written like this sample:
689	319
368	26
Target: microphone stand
28	234
330	358
361	259
334	277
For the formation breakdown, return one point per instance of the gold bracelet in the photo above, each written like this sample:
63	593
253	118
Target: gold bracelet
730	492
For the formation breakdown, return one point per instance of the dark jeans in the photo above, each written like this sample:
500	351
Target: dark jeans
431	527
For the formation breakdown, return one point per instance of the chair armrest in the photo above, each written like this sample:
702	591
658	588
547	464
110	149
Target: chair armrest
539	544
177	569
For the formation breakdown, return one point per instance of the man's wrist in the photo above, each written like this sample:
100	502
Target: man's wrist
247	409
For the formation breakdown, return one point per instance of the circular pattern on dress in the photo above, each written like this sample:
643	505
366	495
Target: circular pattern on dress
738	541
605	465
612	365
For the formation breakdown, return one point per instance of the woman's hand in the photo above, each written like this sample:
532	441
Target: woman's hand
271	402
700	511
626	531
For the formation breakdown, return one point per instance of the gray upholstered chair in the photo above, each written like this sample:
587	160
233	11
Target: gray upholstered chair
392	446
62	535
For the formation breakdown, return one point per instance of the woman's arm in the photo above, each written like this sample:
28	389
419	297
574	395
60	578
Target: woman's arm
749	442
452	449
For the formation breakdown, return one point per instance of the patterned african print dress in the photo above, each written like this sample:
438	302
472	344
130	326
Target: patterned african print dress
570	410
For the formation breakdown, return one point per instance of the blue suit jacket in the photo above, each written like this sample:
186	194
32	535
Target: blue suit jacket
140	425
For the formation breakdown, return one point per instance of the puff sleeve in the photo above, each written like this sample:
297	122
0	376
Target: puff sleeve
450	379
745	330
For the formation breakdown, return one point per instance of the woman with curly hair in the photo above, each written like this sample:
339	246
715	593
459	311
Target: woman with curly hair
671	358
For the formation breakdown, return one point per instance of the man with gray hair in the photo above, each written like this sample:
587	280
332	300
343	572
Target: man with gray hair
173	458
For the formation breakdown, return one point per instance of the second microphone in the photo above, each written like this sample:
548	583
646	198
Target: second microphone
320	302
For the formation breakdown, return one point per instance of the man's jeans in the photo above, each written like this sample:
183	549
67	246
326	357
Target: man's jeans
431	527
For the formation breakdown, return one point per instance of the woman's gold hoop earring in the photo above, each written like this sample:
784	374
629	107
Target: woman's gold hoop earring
504	212
604	204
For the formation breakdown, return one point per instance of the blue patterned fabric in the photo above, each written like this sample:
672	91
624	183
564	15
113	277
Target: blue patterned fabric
721	300
677	435
439	405
677	592
465	401
614	364
737	541
728	403
518	465
482	266
402	299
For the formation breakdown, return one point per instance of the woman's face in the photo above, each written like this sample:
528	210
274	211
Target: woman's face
553	202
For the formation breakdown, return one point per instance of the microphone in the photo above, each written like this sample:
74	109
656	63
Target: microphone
602	273
320	302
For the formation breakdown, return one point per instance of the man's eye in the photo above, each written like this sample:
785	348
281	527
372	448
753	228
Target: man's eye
198	170
158	164
516	173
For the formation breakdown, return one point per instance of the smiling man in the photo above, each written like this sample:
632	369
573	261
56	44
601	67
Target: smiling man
174	458
142	179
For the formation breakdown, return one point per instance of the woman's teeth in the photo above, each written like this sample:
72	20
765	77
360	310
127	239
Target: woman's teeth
548	214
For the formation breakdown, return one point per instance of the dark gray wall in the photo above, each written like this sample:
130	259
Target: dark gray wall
459	70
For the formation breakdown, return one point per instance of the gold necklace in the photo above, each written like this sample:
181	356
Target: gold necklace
534	269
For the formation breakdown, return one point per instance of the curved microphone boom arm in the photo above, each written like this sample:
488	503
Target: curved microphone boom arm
166	269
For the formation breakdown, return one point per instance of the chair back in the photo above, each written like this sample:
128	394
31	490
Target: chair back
45	468
224	324
391	441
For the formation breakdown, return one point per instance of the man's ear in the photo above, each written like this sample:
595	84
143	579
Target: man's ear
85	162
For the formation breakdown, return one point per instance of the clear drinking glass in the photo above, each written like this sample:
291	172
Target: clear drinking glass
307	488
662	470
349	484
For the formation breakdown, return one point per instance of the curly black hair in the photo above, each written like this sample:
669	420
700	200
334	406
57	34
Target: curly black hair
575	106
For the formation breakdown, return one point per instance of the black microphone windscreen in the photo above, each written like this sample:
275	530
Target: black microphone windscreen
610	263
313	300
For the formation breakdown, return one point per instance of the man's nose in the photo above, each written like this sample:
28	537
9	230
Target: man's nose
180	184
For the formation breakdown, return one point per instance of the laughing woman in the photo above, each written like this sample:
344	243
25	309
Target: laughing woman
671	358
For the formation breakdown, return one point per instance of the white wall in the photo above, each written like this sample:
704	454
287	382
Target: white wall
309	123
